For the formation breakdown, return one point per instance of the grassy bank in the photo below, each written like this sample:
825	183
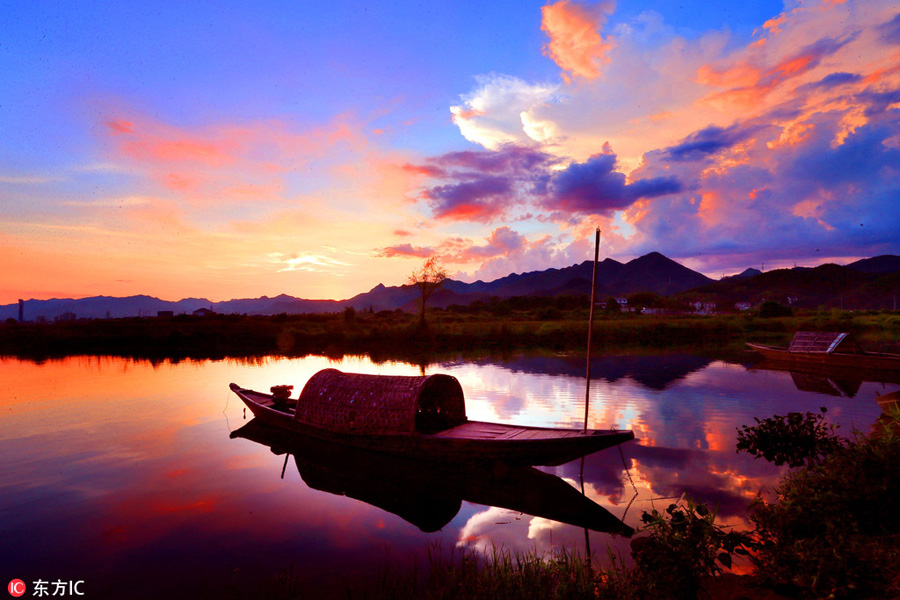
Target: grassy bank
500	327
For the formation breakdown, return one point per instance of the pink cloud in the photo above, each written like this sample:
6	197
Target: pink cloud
404	250
216	162
575	41
753	83
119	126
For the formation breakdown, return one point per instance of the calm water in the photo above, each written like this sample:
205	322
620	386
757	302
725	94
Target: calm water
123	474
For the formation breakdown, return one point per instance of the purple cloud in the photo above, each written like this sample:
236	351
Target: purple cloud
404	250
705	142
479	199
508	159
482	185
594	186
890	31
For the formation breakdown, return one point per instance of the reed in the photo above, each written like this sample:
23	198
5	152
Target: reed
463	572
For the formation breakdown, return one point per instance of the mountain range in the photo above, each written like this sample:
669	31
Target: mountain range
859	281
870	283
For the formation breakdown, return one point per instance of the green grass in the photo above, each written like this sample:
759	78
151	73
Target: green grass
497	328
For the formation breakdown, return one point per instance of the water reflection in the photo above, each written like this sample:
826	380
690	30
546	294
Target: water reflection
429	494
116	470
831	379
653	372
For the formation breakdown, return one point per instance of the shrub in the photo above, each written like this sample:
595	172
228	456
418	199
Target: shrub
834	530
795	438
548	313
770	308
683	550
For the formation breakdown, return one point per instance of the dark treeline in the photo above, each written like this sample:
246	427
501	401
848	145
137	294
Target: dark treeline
495	326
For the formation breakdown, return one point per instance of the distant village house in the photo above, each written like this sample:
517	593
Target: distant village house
704	308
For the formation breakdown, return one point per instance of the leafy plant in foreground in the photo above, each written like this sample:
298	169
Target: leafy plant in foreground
684	547
834	530
796	438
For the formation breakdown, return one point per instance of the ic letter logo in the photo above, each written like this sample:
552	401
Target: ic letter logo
16	588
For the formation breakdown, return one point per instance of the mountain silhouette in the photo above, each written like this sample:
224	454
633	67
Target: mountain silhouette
867	283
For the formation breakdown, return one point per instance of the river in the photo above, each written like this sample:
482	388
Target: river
120	478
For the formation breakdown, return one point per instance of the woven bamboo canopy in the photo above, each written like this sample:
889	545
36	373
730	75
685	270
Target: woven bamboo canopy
381	404
812	342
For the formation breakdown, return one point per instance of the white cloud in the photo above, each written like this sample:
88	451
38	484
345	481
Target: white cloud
307	262
495	113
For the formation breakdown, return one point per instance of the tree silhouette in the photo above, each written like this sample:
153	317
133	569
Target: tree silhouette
428	279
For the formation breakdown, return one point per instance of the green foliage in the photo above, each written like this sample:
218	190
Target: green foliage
685	546
770	308
647	300
795	438
612	306
548	313
393	335
833	530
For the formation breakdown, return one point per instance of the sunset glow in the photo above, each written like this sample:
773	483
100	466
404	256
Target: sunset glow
321	150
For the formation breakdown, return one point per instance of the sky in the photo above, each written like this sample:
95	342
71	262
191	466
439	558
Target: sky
231	150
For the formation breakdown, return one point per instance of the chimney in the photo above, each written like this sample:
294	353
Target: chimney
21	310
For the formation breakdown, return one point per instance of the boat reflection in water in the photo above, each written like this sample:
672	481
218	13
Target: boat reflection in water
429	494
830	380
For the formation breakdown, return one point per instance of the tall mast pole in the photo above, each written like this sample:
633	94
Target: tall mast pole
587	390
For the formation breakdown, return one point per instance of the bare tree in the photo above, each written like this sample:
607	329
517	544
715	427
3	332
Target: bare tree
428	279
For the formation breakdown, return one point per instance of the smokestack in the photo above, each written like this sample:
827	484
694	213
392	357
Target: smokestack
21	310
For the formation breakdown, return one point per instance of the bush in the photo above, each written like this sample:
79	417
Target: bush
770	308
548	313
795	438
683	550
834	530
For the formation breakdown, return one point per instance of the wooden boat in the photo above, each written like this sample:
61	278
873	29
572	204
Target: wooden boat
425	493
422	416
828	349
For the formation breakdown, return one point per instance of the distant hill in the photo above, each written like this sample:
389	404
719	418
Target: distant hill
102	307
650	273
878	265
749	272
867	283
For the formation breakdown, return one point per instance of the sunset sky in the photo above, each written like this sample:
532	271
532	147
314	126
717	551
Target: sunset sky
248	149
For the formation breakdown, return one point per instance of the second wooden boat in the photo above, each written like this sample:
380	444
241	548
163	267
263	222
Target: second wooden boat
828	349
420	416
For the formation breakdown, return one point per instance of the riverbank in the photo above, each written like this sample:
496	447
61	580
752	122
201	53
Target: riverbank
398	335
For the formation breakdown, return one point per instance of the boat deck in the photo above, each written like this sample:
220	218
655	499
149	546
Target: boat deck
476	430
471	430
